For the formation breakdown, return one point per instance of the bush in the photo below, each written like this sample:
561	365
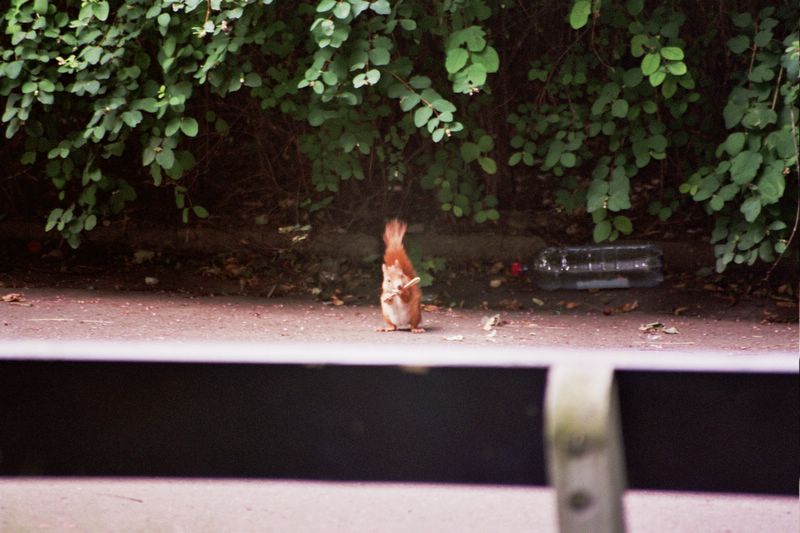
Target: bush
481	104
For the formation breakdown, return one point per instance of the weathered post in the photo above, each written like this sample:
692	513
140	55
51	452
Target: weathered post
583	441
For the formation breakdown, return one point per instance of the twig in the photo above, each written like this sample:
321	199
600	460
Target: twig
797	207
555	66
777	89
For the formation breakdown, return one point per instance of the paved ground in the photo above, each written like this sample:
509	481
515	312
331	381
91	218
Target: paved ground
300	507
598	320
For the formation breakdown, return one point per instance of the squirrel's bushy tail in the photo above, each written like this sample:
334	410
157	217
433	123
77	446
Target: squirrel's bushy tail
393	234
395	252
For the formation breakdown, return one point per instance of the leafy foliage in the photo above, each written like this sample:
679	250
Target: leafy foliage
614	104
746	189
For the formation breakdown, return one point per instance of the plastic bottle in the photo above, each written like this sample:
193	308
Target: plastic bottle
611	266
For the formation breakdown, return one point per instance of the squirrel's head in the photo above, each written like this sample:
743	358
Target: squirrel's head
393	277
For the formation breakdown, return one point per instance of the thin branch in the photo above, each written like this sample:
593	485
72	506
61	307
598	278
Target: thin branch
797	210
555	65
777	89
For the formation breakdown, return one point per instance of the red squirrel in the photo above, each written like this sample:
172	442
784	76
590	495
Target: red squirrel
400	293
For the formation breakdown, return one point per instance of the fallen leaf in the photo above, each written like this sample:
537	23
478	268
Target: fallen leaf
335	300
672	330
143	256
571	305
510	303
430	308
537	301
651	327
454	338
488	322
786	288
630	306
496	282
151	281
496	267
13	297
679	310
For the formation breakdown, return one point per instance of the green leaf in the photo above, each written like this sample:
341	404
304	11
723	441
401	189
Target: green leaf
781	141
53	218
379	56
342	10
488	59
553	153
373	76
673	53
165	158
751	208
146	104
739	44
658	143
656	78
172	126
650	63
422	115
579	15
40	7
634	7
470	152
92	54
632	77
772	183
189	126
568	160
762	38
742	20
734	143
638	43
132	118
488	165
677	68
668	88
456	59
623	224
100	10
619	108
602	231
200	211
381	7
408	24
90	222
409	101
733	113
13	69
745	166
325	5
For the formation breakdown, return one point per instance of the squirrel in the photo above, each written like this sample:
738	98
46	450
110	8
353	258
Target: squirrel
400	293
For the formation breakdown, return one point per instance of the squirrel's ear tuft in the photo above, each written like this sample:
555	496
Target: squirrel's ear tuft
383	268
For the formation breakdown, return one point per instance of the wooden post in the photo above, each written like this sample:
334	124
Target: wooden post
583	439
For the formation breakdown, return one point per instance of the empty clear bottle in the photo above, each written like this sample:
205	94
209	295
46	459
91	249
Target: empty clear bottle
611	266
